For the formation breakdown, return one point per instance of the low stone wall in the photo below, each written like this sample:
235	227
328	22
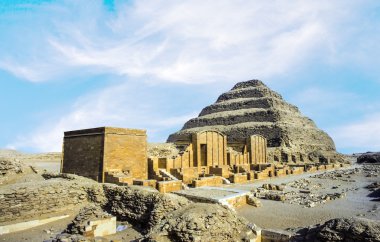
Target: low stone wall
30	200
169	186
261	175
145	183
297	170
239	178
208	181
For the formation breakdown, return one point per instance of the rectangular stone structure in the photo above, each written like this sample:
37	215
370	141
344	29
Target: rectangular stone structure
257	146
93	152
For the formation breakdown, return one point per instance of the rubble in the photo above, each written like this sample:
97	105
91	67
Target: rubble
11	166
202	222
85	215
273	187
369	157
340	229
253	201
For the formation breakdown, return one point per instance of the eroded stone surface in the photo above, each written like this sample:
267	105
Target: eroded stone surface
251	108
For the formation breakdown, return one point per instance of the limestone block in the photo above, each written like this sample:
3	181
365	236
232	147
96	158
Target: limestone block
222	171
145	183
208	181
169	186
238	178
102	227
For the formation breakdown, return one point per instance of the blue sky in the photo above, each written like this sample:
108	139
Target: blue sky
68	65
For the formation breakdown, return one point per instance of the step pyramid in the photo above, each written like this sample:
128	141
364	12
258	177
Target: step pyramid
250	108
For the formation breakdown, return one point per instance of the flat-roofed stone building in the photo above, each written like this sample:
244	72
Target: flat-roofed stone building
106	154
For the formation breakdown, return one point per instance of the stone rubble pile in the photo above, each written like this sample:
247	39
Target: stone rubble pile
141	206
340	230
276	195
86	214
373	186
304	184
371	170
202	222
10	166
311	200
273	187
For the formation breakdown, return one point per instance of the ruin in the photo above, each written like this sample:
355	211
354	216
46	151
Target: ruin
106	154
250	133
251	108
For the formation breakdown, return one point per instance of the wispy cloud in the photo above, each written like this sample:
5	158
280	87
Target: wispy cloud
187	42
179	42
360	136
119	105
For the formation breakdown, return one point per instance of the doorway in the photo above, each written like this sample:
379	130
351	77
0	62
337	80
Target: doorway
203	154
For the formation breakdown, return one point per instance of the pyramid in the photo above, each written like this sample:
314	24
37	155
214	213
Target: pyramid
251	108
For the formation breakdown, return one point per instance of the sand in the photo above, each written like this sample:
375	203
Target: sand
282	215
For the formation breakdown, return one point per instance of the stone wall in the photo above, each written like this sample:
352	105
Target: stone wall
239	178
83	153
208	181
93	152
126	150
32	200
169	186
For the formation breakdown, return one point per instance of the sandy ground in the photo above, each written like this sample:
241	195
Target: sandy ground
49	231
51	166
282	215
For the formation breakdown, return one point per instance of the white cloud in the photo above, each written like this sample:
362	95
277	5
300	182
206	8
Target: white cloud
181	42
188	41
118	105
360	136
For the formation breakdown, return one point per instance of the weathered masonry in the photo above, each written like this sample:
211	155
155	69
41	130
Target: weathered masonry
106	154
204	158
208	153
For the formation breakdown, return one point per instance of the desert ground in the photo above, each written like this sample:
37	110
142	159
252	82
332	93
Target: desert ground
305	199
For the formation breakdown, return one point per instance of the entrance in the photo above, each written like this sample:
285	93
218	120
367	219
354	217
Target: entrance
203	155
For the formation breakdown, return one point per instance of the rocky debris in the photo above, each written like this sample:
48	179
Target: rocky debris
65	237
88	213
141	206
11	166
273	187
15	171
251	108
341	229
253	201
304	185
375	191
373	186
274	196
371	170
310	200
369	157
343	175
202	222
164	150
268	194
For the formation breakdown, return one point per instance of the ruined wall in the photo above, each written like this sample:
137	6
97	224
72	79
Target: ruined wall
83	153
126	150
32	200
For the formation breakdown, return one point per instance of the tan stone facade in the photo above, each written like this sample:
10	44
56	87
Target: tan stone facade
106	153
205	158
